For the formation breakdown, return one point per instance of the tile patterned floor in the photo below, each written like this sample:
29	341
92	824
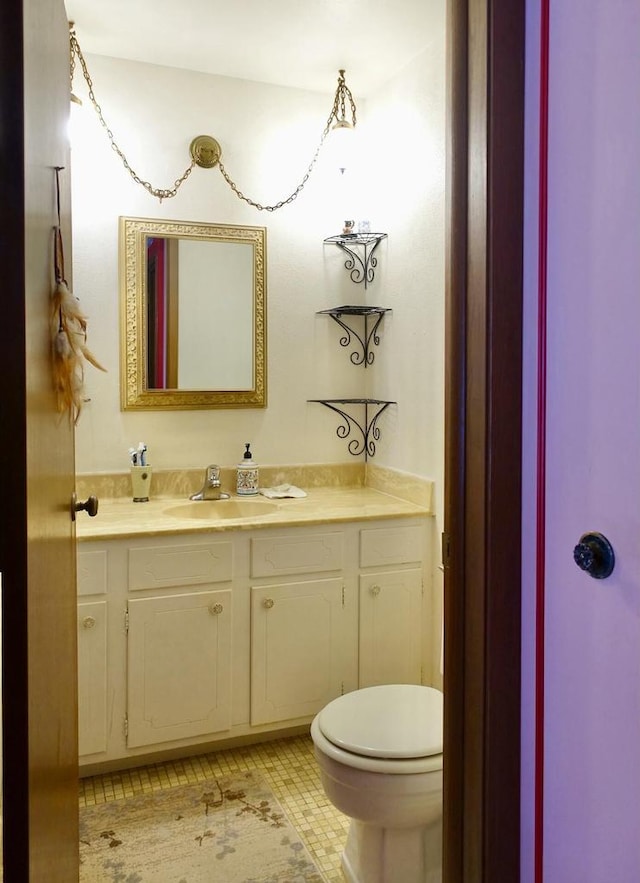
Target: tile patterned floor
287	764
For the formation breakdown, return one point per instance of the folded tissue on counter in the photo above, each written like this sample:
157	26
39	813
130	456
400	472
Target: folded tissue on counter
282	491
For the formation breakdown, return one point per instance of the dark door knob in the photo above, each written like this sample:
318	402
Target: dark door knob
594	554
90	506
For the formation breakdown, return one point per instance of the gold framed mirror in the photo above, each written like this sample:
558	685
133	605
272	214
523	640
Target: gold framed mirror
193	315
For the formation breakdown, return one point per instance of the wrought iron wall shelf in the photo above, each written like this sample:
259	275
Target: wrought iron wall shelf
371	314
369	432
359	248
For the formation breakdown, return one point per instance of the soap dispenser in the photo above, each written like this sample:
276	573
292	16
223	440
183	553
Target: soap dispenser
247	474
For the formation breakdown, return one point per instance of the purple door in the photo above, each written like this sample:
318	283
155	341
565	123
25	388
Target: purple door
581	785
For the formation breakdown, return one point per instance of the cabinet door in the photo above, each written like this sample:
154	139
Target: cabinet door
92	677
390	628
179	667
298	636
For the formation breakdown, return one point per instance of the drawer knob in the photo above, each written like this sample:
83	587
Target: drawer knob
215	609
268	603
88	622
375	591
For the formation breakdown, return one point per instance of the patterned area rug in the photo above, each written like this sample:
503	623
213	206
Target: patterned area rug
227	830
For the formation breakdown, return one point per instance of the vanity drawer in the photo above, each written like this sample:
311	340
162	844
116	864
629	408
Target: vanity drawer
92	573
160	566
306	553
391	545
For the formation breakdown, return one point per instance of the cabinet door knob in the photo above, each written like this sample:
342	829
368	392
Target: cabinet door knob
375	591
215	609
88	622
268	603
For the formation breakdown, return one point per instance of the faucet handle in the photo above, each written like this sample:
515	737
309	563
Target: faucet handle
213	474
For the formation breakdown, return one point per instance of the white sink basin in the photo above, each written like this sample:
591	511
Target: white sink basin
213	510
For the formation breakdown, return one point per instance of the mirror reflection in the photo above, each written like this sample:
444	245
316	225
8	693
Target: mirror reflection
194	329
194	285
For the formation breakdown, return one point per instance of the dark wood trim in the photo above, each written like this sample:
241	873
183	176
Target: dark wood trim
503	593
13	536
483	441
455	386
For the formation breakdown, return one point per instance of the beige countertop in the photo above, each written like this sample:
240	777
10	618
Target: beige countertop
122	518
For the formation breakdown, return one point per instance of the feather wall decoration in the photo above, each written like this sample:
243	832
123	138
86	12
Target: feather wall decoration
69	334
70	351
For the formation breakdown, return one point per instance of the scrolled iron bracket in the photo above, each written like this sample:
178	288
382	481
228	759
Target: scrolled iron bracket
364	355
367	433
360	249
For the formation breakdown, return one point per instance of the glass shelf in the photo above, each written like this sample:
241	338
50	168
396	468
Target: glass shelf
360	248
371	314
368	432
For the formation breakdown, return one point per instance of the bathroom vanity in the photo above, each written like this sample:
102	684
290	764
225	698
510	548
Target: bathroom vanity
193	631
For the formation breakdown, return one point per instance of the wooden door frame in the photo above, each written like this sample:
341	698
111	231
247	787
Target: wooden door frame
483	443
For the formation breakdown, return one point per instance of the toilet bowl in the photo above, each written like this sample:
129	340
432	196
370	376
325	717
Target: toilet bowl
379	750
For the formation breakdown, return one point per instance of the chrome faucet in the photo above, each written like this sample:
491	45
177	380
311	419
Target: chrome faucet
211	488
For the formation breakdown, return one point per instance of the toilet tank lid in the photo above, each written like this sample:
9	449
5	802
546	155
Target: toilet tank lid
392	720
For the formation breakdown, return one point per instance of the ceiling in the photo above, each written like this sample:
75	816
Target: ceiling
298	43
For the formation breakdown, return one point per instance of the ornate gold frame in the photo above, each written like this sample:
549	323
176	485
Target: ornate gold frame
133	381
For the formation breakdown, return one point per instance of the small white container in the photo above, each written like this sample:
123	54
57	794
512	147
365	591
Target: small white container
247	475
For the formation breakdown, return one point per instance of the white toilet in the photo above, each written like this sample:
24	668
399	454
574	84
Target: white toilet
380	755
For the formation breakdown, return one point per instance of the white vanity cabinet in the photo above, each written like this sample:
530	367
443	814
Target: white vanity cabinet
178	667
303	633
189	639
178	642
92	651
391	589
390	636
298	638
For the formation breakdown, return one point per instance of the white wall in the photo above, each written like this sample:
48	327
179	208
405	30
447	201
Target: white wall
268	135
406	123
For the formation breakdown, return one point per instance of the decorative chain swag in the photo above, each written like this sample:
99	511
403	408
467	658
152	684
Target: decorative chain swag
337	119
69	333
